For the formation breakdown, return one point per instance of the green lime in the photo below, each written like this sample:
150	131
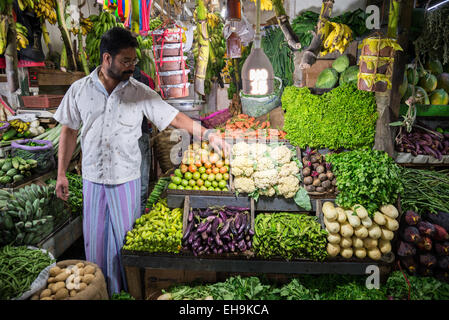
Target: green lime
188	188
178	173
214	183
176	180
218	177
196	188
204	176
203	188
222	184
172	186
184	182
207	184
211	189
180	187
211	177
226	176
192	183
201	170
196	175
188	175
217	189
224	189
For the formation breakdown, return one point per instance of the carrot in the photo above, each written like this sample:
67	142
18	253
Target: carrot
263	125
268	124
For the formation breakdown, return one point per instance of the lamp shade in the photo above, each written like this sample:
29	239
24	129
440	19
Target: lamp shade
257	73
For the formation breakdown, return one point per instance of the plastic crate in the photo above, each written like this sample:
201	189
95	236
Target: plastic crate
42	101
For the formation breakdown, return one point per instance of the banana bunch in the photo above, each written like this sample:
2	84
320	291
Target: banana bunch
86	26
20	125
22	33
337	37
155	23
226	71
265	5
46	9
24	4
3	33
212	20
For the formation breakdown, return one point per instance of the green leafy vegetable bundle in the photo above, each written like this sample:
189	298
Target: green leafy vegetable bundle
289	235
341	118
75	193
370	178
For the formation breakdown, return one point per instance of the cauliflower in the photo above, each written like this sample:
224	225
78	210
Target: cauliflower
264	163
240	149
265	179
257	150
288	186
289	169
242	166
268	192
244	184
281	154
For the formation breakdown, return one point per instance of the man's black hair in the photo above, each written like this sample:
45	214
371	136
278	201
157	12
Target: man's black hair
115	40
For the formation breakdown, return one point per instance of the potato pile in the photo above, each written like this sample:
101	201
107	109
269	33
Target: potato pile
354	232
66	282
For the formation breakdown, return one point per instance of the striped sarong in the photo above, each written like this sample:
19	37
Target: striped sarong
109	213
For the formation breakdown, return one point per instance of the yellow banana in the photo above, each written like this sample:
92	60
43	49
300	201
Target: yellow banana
330	39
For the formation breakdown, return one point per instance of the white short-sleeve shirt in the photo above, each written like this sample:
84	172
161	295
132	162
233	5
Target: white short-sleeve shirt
111	125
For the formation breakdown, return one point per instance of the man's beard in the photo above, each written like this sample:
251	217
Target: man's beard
120	76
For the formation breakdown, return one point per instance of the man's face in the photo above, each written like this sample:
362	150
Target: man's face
121	67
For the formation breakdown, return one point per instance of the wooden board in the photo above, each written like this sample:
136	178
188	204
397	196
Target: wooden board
52	77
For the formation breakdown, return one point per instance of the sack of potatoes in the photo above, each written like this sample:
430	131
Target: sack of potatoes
74	280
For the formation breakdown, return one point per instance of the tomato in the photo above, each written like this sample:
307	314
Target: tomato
214	184
208	171
214	157
207	165
203	188
219	164
192	168
172	186
184	168
226	162
223	170
184	182
176	180
215	170
196	188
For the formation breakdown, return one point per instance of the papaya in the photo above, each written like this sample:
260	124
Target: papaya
434	66
428	82
439	97
443	81
421	96
412	76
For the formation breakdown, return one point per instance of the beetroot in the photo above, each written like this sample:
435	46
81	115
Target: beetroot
411	234
406	249
409	263
440	233
440	218
425	244
426	229
412	218
442	249
443	262
427	260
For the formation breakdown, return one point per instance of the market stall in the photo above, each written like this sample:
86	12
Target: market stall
338	142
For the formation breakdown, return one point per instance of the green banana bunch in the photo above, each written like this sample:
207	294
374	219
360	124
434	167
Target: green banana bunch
22	33
3	33
24	4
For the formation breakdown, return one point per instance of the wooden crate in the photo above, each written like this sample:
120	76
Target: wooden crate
53	77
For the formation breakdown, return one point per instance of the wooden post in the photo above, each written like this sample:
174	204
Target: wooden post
383	140
11	59
60	11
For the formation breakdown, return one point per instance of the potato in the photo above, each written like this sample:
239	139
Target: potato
34	297
357	243
80	265
361	232
347	253
384	246
360	211
62	276
374	253
346	230
81	272
360	253
391	224
379	218
51	280
386	234
72	293
390	211
341	215
353	219
89	269
45	293
47	298
346	243
367	222
82	286
370	243
332	227
61	294
334	238
333	249
375	232
55	271
57	286
329	211
50	286
88	278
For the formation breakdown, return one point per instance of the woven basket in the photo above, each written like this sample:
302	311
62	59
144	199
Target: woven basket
162	147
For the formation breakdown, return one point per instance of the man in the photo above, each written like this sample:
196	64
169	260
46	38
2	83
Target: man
110	106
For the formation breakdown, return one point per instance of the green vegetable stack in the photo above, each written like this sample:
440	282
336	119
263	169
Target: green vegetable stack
341	118
14	170
160	230
367	177
157	191
289	235
19	267
29	214
75	193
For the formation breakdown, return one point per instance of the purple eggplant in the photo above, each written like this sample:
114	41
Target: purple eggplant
218	240
249	244
232	227
251	232
214	227
232	246
191	237
220	250
226	238
209	240
222	215
209	228
210	218
190	217
237	221
225	228
243	225
202	226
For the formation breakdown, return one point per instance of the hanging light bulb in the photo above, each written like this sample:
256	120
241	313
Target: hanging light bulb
257	71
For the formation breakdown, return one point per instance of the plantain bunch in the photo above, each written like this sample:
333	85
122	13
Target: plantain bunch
46	10
3	33
22	33
337	37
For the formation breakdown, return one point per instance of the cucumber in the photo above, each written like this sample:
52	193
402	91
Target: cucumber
2	162
6	166
12	172
5	180
17	178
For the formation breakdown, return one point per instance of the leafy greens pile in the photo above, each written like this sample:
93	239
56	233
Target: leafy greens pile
370	178
341	118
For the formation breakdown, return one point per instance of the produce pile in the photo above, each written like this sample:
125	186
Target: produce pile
341	118
265	169
430	81
201	169
19	267
21	129
30	214
53	134
317	173
218	230
340	73
313	287
160	230
423	142
15	169
64	283
425	191
158	189
353	232
424	245
366	177
243	126
290	236
75	200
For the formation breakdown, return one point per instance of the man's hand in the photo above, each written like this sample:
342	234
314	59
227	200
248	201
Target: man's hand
219	144
62	188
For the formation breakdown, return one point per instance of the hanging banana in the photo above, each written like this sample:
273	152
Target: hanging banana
3	33
337	37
